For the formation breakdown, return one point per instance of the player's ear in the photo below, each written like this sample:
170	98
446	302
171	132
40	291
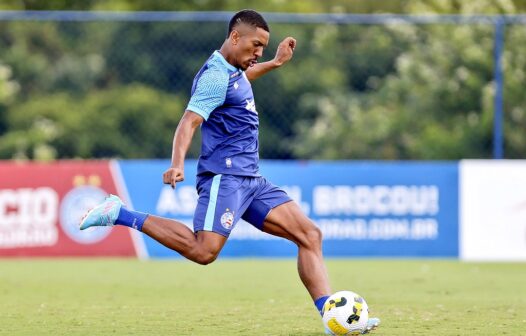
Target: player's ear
234	37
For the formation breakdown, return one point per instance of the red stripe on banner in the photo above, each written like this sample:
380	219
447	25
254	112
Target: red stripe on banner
41	205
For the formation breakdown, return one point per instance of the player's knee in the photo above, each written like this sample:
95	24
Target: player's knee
314	236
309	237
205	257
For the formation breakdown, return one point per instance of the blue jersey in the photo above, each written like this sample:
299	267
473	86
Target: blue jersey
223	96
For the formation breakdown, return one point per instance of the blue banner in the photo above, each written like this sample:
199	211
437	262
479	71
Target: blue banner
400	209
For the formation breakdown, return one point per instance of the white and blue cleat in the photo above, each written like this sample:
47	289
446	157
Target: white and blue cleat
372	324
104	214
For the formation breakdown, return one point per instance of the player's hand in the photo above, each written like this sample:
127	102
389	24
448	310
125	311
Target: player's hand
285	51
173	175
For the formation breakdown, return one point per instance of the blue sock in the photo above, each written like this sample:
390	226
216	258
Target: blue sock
320	302
130	218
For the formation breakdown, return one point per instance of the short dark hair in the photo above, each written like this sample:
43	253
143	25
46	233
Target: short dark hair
250	17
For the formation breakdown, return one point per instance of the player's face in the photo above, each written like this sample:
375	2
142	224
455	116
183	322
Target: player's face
249	45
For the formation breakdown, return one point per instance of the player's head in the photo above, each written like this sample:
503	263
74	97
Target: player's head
248	35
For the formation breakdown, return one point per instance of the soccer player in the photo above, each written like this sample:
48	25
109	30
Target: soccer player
229	184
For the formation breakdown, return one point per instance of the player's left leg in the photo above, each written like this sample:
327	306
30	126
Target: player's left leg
272	211
288	221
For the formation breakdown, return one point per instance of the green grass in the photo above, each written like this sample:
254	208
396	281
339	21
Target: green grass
254	297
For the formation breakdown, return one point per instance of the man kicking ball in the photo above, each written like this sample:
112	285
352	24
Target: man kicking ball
229	184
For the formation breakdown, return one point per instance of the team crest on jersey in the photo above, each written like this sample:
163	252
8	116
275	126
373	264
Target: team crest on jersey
251	105
227	220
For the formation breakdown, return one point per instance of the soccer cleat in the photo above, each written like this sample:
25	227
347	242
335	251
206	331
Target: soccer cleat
372	324
104	214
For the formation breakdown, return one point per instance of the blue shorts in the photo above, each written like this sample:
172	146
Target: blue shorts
224	199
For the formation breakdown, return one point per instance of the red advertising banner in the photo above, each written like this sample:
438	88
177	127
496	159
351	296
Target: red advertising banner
41	205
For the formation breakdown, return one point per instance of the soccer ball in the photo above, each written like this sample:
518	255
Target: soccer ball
345	313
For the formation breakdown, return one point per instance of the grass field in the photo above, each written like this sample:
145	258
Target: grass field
254	297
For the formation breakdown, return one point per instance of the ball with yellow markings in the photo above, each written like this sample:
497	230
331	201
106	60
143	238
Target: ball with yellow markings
345	313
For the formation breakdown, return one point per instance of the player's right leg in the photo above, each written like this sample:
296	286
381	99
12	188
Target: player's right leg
222	200
104	214
202	247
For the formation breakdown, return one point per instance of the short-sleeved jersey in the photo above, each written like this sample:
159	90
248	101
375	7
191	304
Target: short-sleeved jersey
223	96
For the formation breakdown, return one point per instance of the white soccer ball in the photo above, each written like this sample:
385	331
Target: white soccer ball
345	313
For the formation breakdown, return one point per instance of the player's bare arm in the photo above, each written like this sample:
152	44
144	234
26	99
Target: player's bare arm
284	54
182	140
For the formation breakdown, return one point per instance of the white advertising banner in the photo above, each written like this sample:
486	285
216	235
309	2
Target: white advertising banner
493	210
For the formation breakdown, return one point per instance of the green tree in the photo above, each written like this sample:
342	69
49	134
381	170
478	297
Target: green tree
8	91
351	91
132	121
8	87
438	104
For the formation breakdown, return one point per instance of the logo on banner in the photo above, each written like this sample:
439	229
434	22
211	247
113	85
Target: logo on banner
27	217
74	205
227	219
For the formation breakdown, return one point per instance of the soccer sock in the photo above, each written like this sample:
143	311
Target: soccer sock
320	302
130	218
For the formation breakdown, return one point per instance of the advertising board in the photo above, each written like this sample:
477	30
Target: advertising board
363	208
493	210
41	206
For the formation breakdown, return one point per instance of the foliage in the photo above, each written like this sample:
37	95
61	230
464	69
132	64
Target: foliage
118	89
131	121
436	104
